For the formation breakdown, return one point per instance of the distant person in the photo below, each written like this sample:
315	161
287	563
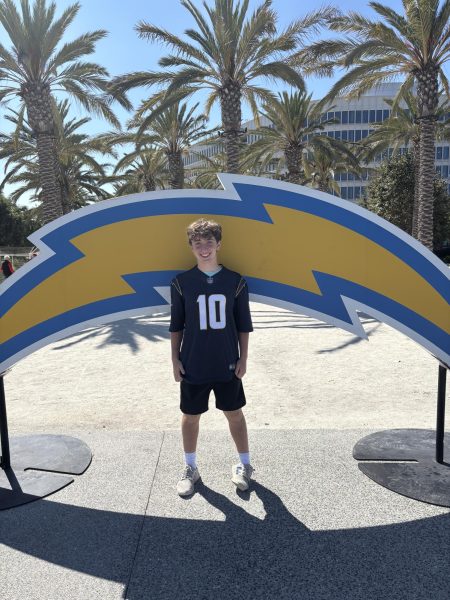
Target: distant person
7	267
210	325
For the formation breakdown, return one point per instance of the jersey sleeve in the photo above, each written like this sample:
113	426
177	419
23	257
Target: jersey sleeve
242	316
177	314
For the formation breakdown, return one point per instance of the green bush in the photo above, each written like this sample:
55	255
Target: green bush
391	196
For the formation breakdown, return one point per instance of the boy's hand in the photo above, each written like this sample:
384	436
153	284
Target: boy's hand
178	370
241	368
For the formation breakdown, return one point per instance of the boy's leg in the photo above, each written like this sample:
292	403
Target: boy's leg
190	425
189	430
242	472
238	429
193	399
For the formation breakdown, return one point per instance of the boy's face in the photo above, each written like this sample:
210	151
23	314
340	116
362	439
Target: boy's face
205	251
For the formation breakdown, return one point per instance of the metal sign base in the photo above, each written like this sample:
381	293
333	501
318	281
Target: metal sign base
425	479
37	462
31	465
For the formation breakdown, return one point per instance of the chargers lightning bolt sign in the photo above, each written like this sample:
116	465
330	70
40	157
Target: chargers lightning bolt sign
298	248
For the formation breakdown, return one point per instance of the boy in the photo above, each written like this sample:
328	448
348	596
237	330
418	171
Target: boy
210	325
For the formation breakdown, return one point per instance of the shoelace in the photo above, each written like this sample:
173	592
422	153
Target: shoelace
188	472
242	470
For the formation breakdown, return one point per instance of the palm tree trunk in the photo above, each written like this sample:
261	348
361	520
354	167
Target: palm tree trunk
38	102
322	185
176	169
294	156
416	162
427	93
230	102
149	183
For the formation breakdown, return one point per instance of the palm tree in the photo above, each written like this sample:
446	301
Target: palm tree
320	166
143	169
79	173
293	131
36	66
226	53
203	174
402	129
172	131
413	46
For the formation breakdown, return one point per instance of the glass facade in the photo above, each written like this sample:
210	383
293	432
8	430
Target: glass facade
351	121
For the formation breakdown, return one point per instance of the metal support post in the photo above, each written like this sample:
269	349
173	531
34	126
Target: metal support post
440	420
5	459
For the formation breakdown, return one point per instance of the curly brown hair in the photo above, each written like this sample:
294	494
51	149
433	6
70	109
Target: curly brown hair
204	229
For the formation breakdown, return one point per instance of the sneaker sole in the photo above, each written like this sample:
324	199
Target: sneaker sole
243	487
191	492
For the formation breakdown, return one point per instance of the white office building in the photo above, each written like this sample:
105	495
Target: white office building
355	119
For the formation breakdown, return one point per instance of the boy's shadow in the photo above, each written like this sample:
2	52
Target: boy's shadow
273	557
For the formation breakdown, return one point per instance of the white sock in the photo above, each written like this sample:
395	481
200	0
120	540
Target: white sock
190	458
244	457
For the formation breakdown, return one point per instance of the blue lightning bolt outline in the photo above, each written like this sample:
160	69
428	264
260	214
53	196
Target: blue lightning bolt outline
242	197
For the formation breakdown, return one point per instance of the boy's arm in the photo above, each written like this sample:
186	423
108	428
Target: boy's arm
177	318
244	326
241	365
175	343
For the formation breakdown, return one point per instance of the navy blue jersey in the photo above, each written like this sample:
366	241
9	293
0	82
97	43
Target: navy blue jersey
211	312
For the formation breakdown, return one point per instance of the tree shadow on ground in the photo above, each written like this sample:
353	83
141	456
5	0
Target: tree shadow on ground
155	328
242	556
127	332
350	342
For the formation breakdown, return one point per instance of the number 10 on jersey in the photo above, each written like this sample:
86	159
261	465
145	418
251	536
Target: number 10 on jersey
212	311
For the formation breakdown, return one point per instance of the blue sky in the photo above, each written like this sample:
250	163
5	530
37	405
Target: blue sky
122	51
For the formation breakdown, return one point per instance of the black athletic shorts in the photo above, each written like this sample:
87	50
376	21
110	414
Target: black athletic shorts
194	398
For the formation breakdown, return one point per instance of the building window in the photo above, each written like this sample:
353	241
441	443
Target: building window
386	114
439	153
438	170
351	116
445	171
344	176
344	192
337	135
337	115
351	135
344	117
372	116
330	115
350	195
358	116
357	135
365	116
344	135
379	116
445	152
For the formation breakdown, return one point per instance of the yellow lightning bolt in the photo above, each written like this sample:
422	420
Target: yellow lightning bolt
286	251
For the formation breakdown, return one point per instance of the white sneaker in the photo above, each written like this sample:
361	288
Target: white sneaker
185	487
241	475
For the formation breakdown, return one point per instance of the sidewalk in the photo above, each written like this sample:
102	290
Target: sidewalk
313	527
